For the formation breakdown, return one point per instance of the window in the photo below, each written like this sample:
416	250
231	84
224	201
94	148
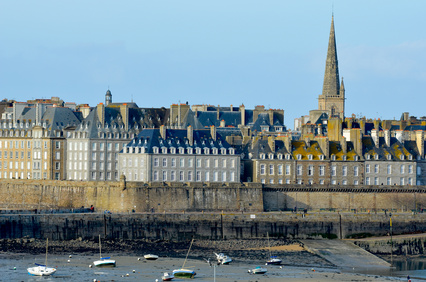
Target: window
344	170
57	145
367	168
190	163
232	176
287	181
164	162
376	168
155	175
207	176
224	163
299	169
333	182
280	169
389	169
198	176
388	181
310	170
321	170
216	163
189	175
215	176
223	176
321	181
101	156
355	182
173	162
164	175
355	171
156	162
410	181
333	170
271	169
419	170
93	146
271	181
181	176
58	155
262	169
344	182
367	180
376	181
173	175
410	169
287	169
182	162
402	169
57	165
402	181
198	162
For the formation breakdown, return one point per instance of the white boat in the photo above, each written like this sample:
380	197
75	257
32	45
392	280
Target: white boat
40	269
106	261
150	257
258	270
167	277
222	258
182	272
273	260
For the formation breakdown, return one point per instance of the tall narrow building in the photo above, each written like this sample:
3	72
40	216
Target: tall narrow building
332	99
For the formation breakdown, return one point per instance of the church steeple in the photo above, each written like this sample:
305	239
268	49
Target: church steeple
331	85
332	99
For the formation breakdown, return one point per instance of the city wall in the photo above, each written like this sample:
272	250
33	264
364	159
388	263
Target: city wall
176	197
213	226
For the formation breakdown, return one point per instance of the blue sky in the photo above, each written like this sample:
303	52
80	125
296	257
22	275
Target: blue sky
237	52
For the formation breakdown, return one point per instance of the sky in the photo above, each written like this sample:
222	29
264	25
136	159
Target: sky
271	53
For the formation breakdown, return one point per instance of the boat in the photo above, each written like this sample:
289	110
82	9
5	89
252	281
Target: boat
258	270
42	269
183	272
222	258
167	277
106	261
150	257
273	260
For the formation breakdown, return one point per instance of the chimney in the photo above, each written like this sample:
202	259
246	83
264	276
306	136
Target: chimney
231	108
324	145
38	114
190	135
420	142
213	132
124	111
319	127
101	113
375	136
344	145
222	123
243	114
271	143
271	117
387	138
218	112
288	145
399	134
163	132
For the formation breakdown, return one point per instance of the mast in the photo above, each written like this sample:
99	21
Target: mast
192	241
100	253
269	245
47	243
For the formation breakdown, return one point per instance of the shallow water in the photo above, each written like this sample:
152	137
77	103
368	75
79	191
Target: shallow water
77	269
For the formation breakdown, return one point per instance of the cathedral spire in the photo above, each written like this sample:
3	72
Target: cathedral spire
331	86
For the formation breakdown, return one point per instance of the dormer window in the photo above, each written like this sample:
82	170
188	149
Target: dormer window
344	158
155	150
367	156
262	156
280	156
206	151
376	157
299	156
198	151
356	158
287	156
181	151
333	157
173	150
164	150
214	151
143	150
310	157
223	151
271	156
321	157
410	157
231	151
389	156
264	128
401	157
190	151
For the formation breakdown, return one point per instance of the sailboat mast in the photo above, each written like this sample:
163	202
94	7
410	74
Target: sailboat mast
100	253
47	244
269	245
187	253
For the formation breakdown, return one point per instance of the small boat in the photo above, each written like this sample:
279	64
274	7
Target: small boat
167	277
42	269
258	270
222	258
182	272
106	261
150	257
273	260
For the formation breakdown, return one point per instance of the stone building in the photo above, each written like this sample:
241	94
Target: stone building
179	155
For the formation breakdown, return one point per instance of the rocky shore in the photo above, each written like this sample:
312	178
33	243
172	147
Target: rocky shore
242	250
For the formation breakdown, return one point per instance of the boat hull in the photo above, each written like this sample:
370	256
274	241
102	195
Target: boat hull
41	271
105	263
150	257
274	262
184	273
259	270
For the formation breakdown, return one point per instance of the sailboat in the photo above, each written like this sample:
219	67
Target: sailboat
107	261
182	272
42	269
272	259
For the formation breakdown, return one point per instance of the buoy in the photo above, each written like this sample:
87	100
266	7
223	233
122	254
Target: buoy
90	266
70	256
281	267
139	258
94	280
69	261
127	274
134	271
14	268
266	264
